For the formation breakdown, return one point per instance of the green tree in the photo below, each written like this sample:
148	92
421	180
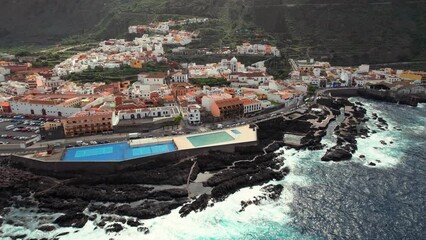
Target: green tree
178	119
311	89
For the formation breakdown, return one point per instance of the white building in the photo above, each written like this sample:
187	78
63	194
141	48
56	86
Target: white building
392	78
4	71
258	49
194	114
238	79
152	78
14	88
265	104
55	107
251	106
364	68
156	112
179	77
139	90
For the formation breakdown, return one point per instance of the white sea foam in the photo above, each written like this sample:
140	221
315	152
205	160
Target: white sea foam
224	221
371	147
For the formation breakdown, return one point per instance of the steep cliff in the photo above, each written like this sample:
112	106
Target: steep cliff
344	31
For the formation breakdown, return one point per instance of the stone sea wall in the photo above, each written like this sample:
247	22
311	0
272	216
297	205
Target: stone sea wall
62	169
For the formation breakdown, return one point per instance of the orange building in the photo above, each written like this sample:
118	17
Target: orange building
5	107
227	108
135	63
87	123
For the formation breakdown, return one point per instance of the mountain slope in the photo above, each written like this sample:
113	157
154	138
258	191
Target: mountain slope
348	32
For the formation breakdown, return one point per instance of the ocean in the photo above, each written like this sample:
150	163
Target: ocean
320	200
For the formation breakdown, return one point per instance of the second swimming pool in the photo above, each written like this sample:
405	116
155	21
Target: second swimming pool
210	139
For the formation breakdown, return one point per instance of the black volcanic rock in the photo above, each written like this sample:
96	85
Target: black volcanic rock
144	230
272	192
222	190
168	194
47	228
115	227
133	222
274	147
77	220
336	154
62	234
198	205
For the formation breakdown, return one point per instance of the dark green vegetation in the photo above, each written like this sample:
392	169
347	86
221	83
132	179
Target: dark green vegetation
340	31
99	74
178	119
311	90
125	72
200	82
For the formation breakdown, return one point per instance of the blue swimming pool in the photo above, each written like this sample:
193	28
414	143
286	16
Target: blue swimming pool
235	131
115	152
210	139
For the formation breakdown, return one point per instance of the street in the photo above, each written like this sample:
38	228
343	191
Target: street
183	128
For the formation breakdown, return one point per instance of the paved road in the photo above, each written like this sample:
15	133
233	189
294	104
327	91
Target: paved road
184	127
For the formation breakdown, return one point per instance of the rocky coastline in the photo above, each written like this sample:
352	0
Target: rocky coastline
123	200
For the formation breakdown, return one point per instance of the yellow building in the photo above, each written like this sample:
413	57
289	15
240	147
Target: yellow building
135	63
410	76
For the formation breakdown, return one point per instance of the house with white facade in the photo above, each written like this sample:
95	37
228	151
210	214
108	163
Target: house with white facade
239	79
258	49
251	106
152	78
14	88
179	77
55	105
194	114
155	112
392	78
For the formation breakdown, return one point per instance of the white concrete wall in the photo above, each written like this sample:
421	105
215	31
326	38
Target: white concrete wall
51	110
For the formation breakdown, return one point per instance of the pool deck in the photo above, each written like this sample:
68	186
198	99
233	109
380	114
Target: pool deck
246	135
149	141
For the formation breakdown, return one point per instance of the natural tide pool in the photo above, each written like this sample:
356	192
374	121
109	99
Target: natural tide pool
116	152
210	139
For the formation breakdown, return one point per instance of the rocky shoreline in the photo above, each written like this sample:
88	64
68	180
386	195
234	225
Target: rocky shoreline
123	200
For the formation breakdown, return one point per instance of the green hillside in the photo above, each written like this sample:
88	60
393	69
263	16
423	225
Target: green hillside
343	31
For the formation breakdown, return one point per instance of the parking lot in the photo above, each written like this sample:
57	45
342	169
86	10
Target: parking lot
22	130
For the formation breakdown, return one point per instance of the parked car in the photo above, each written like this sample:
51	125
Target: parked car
93	142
